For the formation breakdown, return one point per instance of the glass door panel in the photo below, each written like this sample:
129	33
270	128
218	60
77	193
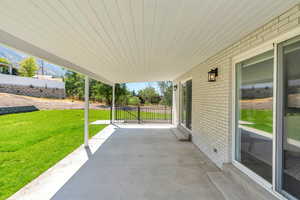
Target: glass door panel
254	114
186	104
291	118
183	104
189	104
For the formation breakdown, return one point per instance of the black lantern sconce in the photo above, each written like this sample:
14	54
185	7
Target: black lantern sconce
212	75
175	87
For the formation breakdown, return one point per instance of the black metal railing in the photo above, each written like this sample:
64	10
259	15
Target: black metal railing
143	114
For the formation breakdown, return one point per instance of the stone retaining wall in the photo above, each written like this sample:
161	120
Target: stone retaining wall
33	91
255	93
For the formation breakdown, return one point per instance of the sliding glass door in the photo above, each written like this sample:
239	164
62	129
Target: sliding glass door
289	117
254	115
186	104
271	153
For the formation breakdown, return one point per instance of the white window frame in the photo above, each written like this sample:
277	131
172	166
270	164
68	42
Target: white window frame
266	46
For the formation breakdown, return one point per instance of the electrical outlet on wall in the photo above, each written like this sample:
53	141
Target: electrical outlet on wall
215	150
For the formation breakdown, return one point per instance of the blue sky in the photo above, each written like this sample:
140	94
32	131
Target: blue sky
16	56
141	85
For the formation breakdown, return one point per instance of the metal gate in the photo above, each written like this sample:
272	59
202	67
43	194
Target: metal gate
143	114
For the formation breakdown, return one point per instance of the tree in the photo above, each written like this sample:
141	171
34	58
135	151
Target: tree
134	100
3	66
166	89
98	91
28	67
133	93
74	84
121	94
5	61
148	94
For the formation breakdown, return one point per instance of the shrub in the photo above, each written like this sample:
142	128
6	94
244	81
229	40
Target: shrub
134	101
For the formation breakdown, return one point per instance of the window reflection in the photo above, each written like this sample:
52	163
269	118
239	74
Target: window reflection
291	130
254	114
186	104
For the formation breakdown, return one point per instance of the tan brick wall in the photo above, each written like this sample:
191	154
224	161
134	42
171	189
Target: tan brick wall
211	101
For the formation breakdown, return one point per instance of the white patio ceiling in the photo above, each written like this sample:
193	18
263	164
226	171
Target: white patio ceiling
131	40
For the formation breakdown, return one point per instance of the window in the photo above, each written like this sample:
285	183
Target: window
254	118
289	116
186	104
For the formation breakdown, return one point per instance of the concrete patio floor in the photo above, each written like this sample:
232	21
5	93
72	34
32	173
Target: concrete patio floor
142	163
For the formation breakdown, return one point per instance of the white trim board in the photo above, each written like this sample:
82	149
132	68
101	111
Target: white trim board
185	80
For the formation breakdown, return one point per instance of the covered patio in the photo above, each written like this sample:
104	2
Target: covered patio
214	52
143	163
127	161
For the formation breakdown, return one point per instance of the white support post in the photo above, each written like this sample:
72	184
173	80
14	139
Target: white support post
175	103
113	103
10	69
86	112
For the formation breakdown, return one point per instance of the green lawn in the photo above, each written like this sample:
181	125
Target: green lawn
263	120
30	143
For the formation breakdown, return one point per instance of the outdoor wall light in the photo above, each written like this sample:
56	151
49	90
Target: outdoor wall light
175	87
212	75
